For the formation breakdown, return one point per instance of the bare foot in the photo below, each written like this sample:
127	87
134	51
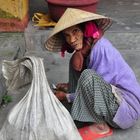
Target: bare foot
101	128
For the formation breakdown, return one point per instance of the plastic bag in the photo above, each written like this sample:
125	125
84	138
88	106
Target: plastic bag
39	115
42	20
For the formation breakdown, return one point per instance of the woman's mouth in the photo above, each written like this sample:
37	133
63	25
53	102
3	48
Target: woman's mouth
73	45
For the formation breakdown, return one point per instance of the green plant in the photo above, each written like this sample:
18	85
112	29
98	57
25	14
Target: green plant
6	99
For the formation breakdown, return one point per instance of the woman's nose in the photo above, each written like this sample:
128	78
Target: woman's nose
72	39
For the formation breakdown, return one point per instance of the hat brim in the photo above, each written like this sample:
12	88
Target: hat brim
56	40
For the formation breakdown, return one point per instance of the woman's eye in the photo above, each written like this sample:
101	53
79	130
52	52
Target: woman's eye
66	35
76	30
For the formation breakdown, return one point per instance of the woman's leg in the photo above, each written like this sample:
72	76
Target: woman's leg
94	100
73	78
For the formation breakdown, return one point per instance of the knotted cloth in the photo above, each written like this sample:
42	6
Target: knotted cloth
39	115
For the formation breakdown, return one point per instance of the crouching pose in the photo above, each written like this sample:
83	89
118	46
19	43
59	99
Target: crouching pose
102	87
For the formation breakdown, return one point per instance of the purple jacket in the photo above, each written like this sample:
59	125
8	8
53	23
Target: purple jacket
108	62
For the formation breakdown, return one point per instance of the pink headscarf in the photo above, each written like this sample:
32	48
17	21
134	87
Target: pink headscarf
90	30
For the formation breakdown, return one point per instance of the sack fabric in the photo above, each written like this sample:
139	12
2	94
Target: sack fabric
39	115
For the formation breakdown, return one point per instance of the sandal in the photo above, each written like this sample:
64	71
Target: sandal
88	134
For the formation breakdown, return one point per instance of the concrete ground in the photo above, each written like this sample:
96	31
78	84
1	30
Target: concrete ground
124	34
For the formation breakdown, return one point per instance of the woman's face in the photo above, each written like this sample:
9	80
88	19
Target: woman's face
74	37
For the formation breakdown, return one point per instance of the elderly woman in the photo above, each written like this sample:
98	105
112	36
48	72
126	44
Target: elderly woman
102	87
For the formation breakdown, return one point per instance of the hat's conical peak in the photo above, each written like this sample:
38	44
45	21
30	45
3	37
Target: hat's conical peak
72	17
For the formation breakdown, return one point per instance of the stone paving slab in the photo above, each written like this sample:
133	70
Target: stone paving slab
125	14
124	40
124	34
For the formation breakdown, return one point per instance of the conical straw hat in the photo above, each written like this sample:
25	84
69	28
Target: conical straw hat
70	18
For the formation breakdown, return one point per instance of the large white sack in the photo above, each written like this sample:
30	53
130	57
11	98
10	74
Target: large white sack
39	115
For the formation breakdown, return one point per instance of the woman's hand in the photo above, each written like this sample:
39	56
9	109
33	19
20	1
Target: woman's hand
62	87
60	95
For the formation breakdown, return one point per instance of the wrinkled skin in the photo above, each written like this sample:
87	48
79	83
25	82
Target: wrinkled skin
74	37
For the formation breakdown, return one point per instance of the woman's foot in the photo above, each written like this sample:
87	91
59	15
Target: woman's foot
95	131
101	128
